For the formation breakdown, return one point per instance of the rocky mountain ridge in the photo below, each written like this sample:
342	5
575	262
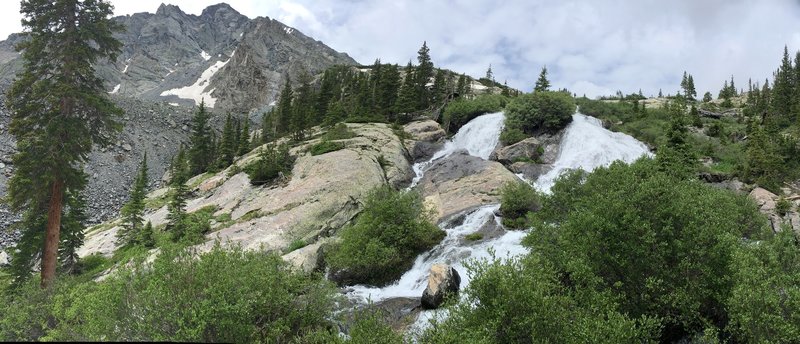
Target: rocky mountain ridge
232	62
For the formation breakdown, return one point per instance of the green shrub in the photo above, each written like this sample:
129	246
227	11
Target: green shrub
783	206
392	229
296	245
662	245
272	162
540	112
510	136
461	111
339	132
517	200
325	146
523	301
222	296
474	236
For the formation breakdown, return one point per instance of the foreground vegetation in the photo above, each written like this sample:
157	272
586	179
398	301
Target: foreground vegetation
392	229
634	253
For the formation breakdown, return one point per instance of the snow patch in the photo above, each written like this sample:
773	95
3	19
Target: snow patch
197	91
205	55
478	87
174	104
125	70
273	103
115	90
288	30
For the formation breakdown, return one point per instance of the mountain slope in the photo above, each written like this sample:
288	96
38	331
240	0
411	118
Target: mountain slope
232	62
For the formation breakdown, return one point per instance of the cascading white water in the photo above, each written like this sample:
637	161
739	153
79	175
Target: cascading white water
587	145
449	251
479	137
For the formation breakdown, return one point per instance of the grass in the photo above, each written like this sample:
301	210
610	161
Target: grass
325	146
296	245
474	236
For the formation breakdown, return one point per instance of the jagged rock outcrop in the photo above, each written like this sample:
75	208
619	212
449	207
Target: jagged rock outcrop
426	139
461	182
529	150
323	193
443	281
233	62
768	205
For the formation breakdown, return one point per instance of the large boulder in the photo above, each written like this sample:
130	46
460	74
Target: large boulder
529	149
461	182
767	204
530	171
322	194
443	280
427	130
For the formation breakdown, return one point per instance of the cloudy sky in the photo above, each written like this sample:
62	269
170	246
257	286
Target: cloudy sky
591	47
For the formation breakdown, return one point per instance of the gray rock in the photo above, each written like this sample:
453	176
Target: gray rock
127	147
443	281
528	149
530	171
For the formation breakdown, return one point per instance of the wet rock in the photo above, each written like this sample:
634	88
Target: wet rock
529	150
460	182
443	280
530	171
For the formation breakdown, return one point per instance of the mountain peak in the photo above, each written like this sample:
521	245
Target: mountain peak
167	10
213	10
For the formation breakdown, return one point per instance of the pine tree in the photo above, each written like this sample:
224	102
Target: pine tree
660	94
439	91
147	238
676	157
176	218
707	97
133	211
461	85
542	84
267	125
505	91
423	74
72	228
59	109
407	102
228	144
388	87
200	157
782	92
691	93
284	106
244	138
302	108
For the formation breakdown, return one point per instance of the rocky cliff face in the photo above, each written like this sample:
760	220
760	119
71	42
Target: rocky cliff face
232	62
171	61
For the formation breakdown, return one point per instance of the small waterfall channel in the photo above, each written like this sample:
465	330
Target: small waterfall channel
585	144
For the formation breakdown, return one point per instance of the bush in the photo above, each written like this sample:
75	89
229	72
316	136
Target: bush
339	132
474	236
540	112
510	136
523	301
325	146
392	229
517	200
222	296
272	162
662	245
461	111
783	206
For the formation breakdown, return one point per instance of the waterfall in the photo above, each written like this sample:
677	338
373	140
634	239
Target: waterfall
587	145
479	137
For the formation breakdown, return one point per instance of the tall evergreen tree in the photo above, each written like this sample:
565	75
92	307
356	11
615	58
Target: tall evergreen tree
542	84
461	85
267	125
388	87
302	108
423	74
782	92
284	106
407	102
176	218
59	108
676	156
228	144
133	211
244	138
200	155
439	88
